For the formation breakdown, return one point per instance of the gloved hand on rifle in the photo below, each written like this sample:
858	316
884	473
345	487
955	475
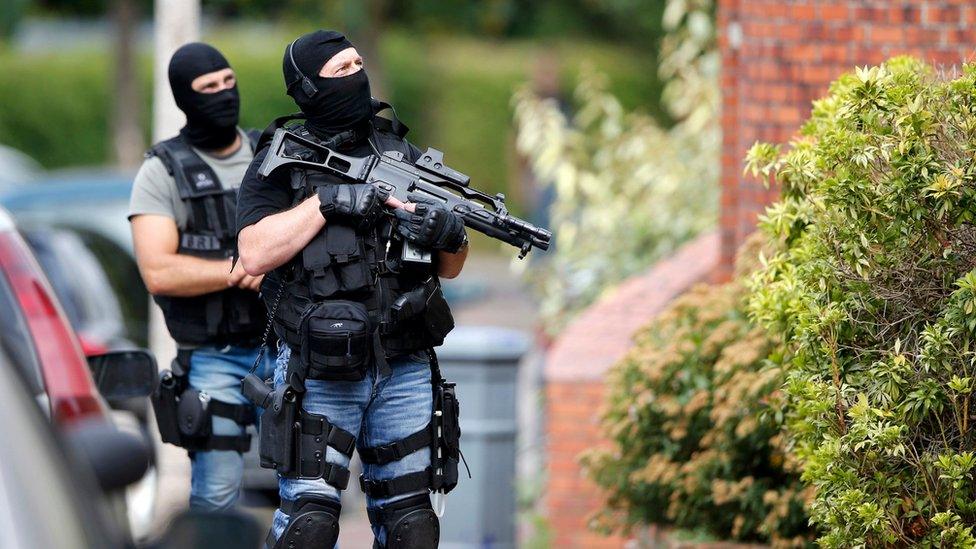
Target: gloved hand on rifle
431	225
359	205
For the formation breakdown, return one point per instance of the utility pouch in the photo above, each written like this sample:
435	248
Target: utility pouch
438	319
336	262
322	278
447	450
348	257
195	414
164	401
337	341
276	440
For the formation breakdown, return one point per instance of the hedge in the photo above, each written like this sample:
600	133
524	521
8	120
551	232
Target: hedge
452	91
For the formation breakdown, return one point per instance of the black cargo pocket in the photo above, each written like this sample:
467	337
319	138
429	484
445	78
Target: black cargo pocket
337	341
438	319
276	434
346	250
446	451
195	418
322	281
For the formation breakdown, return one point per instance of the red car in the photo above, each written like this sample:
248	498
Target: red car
36	334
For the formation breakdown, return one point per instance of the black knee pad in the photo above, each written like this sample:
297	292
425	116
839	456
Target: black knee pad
313	523
409	524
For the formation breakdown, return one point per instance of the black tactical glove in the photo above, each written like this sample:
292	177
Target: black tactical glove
358	205
431	225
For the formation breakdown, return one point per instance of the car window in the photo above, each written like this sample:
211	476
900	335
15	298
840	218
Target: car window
16	340
79	282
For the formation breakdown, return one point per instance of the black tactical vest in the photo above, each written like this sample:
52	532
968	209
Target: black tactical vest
376	302
232	316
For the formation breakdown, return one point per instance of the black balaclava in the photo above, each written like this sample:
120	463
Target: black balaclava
211	118
330	105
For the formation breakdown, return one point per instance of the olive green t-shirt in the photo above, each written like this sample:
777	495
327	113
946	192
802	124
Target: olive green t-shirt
154	189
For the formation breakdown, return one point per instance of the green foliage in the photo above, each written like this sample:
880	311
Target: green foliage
694	425
55	107
627	189
874	296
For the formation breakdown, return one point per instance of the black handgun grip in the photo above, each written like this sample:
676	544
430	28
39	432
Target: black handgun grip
256	390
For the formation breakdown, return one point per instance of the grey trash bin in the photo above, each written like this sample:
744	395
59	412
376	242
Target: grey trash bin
483	361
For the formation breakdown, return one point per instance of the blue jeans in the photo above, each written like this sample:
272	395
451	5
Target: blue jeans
378	410
216	474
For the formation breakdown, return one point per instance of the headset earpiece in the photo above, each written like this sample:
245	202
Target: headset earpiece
307	86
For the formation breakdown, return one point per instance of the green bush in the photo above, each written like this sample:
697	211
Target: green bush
875	299
56	107
692	418
627	189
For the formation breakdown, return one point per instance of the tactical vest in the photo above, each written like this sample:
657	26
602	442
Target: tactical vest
349	296
232	316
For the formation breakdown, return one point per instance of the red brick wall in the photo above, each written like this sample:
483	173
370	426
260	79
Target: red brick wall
778	56
574	373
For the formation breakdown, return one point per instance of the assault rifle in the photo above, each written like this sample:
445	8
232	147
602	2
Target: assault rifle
399	178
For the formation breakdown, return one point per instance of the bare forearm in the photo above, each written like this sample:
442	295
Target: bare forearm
276	239
450	265
181	275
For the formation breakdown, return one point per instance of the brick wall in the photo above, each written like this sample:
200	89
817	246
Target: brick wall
778	56
574	372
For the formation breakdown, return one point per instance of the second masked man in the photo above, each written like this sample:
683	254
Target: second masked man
182	212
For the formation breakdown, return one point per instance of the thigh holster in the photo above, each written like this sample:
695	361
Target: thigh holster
185	415
294	441
313	523
441	436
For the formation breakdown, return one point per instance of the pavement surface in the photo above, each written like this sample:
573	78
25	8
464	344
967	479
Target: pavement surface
487	293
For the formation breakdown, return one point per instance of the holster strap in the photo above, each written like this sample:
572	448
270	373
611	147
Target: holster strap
237	443
397	450
338	438
335	475
410	482
242	414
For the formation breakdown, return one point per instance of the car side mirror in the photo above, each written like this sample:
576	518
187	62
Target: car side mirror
120	375
211	530
117	458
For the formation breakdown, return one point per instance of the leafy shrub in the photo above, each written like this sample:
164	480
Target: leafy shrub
448	102
874	297
694	427
627	190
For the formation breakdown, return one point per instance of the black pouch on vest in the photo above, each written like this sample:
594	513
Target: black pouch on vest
322	281
448	447
165	402
195	414
335	262
438	318
276	437
348	257
337	341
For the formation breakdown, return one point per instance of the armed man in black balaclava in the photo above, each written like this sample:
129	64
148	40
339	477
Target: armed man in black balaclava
354	293
183	211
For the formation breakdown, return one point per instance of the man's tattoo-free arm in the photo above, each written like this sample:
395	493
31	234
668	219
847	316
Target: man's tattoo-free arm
275	239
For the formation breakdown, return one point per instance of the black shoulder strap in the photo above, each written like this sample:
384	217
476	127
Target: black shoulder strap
392	124
193	176
269	131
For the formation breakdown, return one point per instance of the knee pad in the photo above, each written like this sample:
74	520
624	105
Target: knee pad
409	523
313	523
